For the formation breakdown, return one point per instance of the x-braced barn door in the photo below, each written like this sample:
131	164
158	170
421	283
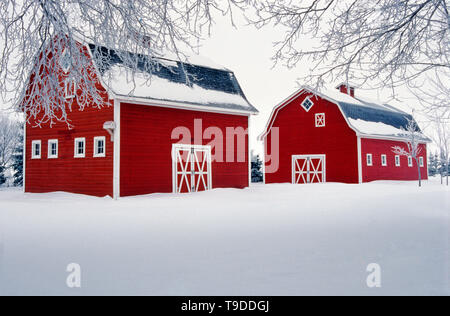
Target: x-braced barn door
191	168
308	169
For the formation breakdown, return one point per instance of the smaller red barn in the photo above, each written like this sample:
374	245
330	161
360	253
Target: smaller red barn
183	130
335	136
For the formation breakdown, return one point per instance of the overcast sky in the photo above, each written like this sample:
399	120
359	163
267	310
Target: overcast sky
248	51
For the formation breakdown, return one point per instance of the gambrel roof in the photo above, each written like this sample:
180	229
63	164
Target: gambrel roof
366	118
170	80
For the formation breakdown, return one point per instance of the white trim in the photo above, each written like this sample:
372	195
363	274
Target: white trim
33	151
360	169
76	141
264	160
398	162
24	162
323	163
369	163
176	148
49	149
384	161
181	106
410	161
66	86
393	138
116	167
95	152
324	120
421	162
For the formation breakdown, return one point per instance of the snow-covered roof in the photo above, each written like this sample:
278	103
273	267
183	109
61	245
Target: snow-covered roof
203	84
366	117
369	117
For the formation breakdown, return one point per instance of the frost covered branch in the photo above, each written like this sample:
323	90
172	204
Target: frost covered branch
387	42
413	149
36	34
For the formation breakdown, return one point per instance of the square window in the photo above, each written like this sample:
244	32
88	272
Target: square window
36	149
70	89
369	160
410	161
397	161
52	149
80	148
383	160
100	146
421	163
320	120
307	104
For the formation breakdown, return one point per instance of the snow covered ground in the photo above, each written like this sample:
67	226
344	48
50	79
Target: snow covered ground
266	240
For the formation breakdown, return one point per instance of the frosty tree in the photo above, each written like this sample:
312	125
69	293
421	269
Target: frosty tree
41	36
414	137
9	139
442	140
387	43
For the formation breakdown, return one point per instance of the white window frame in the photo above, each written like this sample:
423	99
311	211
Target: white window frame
49	149
96	154
303	104
410	161
76	141
66	90
33	151
421	162
397	160
369	160
384	160
317	120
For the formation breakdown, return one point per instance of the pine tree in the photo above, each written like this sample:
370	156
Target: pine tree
433	168
18	162
257	175
2	176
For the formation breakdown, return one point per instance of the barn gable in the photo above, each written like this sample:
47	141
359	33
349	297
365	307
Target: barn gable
366	118
172	81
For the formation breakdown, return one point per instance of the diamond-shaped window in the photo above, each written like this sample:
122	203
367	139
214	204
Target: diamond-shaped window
307	104
65	61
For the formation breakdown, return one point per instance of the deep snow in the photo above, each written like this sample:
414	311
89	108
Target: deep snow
266	240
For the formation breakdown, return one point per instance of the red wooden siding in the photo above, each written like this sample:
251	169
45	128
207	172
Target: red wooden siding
300	136
93	176
146	147
390	172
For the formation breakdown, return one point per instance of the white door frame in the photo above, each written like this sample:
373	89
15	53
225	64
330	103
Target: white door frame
190	164
295	158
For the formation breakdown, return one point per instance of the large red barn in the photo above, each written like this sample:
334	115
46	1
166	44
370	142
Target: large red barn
138	144
334	136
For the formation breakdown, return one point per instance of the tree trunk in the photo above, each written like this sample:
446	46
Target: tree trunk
419	173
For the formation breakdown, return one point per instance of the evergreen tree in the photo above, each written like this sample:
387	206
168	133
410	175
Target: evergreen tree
2	175
257	175
17	164
433	168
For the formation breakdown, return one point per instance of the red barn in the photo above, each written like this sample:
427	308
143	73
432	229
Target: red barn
166	134
334	136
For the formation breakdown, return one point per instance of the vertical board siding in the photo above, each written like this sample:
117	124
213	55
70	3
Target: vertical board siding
300	136
146	148
390	172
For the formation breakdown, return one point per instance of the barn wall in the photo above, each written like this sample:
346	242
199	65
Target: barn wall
146	146
92	176
88	175
390	172
299	136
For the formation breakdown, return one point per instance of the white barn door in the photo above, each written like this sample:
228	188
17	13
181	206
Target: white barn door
191	168
308	169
